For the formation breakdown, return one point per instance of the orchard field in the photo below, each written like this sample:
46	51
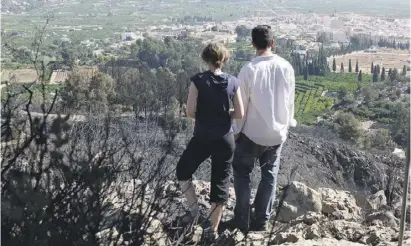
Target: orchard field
313	96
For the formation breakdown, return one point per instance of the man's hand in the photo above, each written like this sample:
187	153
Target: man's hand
236	136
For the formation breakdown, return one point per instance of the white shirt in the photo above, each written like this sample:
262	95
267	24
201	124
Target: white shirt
267	85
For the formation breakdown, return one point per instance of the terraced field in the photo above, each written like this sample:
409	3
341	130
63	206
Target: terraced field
311	98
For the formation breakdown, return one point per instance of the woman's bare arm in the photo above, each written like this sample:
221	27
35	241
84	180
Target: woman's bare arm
192	101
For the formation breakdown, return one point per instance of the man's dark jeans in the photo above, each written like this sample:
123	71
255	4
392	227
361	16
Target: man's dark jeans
244	158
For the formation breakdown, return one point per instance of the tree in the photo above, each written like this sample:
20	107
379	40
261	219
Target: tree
375	75
394	75
372	67
242	32
88	89
356	66
401	122
349	66
380	139
360	76
378	69
404	70
342	92
334	65
348	126
342	68
305	73
369	94
383	74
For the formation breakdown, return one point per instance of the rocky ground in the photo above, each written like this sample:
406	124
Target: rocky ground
322	216
336	196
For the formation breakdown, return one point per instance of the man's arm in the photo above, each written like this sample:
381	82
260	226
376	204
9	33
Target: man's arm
244	88
238	112
291	78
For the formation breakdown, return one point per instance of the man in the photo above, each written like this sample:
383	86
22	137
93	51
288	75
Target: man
267	85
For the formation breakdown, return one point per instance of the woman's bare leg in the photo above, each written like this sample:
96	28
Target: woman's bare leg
187	187
216	214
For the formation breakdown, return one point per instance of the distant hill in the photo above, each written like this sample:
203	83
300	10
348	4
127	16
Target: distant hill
18	6
394	8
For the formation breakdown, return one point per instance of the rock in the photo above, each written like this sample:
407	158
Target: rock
346	230
107	234
324	242
299	200
283	237
198	231
202	187
386	217
238	237
312	218
154	226
397	211
378	236
287	212
313	232
340	204
255	236
363	202
378	199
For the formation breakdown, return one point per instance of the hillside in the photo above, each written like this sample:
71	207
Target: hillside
331	163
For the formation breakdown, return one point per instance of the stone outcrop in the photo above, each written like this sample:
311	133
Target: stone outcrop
299	200
308	217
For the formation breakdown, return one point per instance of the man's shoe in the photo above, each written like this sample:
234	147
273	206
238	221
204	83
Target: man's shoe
236	224
258	226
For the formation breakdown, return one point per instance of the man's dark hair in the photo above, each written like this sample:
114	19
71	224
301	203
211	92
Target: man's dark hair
262	36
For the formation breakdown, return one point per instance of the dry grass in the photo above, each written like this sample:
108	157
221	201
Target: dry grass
388	58
25	75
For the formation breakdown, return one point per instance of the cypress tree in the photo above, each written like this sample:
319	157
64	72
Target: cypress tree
404	70
360	76
378	69
349	66
306	73
372	67
383	74
356	67
375	75
342	68
389	72
334	65
394	74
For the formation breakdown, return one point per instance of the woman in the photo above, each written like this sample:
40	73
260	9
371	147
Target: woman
208	102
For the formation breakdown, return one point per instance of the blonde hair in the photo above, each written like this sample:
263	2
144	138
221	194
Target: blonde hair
216	54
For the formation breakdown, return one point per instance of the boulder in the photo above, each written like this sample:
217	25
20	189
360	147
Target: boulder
339	204
299	200
386	217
